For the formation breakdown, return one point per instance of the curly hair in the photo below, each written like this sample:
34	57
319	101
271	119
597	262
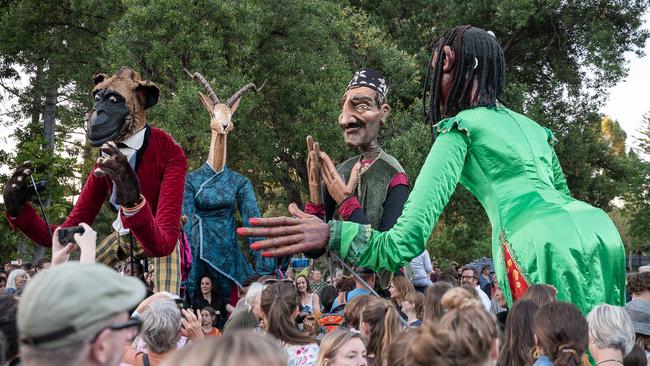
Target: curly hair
638	282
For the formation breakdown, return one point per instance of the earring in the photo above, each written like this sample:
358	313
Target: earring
536	353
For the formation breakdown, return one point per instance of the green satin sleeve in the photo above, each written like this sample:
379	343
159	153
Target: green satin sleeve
559	180
362	246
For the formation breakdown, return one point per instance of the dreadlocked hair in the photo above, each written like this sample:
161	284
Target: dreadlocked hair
479	58
279	301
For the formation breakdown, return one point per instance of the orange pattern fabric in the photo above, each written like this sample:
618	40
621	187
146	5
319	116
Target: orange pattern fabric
518	284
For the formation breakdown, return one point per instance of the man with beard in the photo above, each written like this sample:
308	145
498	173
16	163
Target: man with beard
140	172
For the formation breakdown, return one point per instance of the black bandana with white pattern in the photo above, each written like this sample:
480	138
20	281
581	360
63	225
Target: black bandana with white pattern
370	78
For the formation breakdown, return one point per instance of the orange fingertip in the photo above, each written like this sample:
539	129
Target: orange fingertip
267	254
241	231
254	221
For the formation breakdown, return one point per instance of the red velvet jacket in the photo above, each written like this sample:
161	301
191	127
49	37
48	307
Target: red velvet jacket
161	166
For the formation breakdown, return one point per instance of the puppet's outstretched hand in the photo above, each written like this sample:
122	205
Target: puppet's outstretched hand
286	235
116	167
18	191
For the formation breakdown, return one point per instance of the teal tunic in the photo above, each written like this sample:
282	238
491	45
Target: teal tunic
540	234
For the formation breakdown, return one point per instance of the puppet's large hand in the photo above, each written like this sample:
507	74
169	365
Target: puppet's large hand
116	167
286	235
338	189
313	171
17	191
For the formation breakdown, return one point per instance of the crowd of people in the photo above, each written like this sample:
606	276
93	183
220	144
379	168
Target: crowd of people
89	314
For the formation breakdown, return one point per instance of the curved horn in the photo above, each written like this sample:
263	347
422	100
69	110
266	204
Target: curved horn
244	89
200	78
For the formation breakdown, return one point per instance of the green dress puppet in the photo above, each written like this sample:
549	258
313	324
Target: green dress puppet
540	234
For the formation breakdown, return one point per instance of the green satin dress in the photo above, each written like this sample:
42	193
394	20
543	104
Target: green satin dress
540	234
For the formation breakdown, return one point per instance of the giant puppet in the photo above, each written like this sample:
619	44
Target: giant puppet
377	186
213	194
540	234
140	172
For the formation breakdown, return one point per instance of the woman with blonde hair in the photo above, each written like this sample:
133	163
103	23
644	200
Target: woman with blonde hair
280	306
237	348
342	348
381	325
465	335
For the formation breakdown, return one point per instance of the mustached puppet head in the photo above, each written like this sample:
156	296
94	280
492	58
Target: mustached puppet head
119	107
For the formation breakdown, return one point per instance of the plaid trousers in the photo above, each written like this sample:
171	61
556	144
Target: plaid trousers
167	274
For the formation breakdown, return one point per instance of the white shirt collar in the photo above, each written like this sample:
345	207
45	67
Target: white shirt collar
135	141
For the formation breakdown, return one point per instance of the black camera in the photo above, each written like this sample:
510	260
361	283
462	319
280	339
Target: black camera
66	234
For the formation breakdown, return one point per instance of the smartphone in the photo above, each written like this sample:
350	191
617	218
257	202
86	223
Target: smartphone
180	304
66	234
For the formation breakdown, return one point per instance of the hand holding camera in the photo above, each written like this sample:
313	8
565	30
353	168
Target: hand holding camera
67	240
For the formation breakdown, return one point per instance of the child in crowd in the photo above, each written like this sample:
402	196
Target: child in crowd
208	318
412	307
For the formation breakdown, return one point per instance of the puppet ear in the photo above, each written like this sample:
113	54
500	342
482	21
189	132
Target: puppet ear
235	105
99	78
150	92
206	103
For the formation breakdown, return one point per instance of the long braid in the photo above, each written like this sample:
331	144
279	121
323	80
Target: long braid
479	58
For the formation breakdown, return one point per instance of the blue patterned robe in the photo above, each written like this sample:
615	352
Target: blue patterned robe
209	201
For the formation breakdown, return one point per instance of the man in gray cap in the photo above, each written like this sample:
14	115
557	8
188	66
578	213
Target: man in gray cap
77	314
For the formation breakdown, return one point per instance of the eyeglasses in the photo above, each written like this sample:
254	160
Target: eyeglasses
467	277
132	323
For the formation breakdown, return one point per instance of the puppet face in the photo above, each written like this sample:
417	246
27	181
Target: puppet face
119	106
221	119
360	118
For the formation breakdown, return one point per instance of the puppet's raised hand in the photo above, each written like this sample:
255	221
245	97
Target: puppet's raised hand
287	236
313	171
17	191
338	189
116	167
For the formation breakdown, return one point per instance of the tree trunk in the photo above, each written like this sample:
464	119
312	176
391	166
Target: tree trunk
49	128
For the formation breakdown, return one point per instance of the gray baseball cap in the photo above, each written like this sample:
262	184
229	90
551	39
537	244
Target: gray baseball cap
72	301
639	311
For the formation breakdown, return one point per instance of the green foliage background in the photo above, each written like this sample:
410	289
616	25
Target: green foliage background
562	56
